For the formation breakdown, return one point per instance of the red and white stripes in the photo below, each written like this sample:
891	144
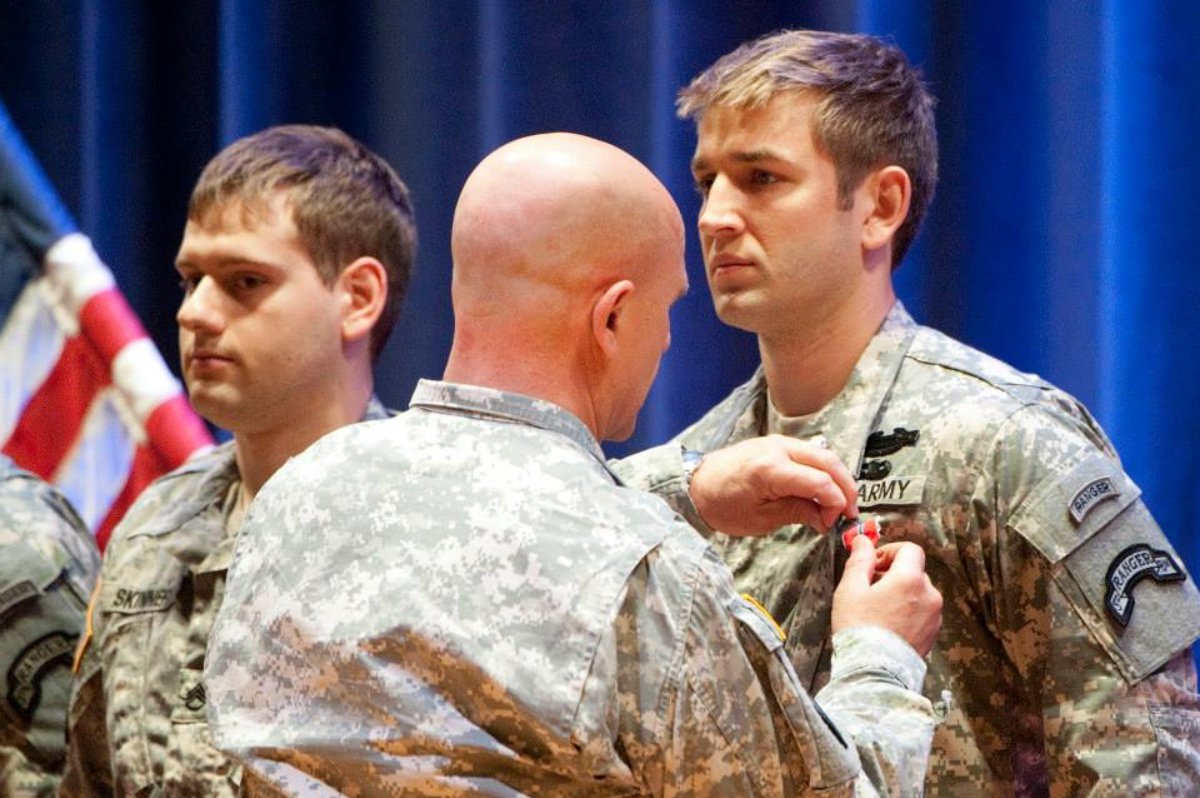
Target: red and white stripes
86	402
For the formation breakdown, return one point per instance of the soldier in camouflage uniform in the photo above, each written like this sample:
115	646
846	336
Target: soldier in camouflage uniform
294	262
48	564
483	609
1064	649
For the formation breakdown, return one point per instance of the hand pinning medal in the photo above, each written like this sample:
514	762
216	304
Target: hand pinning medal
850	528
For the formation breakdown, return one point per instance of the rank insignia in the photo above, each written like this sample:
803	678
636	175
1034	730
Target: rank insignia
196	698
1131	566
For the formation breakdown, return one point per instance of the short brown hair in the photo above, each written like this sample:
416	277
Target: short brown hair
873	109
345	200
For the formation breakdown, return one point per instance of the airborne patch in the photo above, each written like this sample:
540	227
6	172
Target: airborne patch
30	668
1092	494
891	492
1131	566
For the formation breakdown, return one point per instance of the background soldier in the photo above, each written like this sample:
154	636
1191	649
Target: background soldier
294	262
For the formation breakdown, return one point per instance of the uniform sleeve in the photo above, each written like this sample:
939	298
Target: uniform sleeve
1098	613
741	724
873	697
659	470
36	643
47	564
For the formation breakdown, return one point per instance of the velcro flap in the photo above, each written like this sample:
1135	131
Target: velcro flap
1065	512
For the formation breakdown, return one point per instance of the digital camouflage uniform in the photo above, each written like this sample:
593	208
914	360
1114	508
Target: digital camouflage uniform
471	604
1028	524
48	564
138	723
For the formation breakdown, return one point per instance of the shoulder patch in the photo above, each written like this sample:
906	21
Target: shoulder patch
1091	494
30	667
1132	565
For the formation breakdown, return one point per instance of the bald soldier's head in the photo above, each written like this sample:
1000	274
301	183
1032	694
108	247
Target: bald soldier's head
567	256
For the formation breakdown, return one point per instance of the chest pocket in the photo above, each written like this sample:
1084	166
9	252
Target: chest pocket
1114	564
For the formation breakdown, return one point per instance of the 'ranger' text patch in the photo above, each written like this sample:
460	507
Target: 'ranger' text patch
1130	567
1090	495
11	596
31	666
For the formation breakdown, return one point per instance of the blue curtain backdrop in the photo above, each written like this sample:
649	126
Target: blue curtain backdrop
1061	238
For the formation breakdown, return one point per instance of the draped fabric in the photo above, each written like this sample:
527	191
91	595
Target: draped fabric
1059	240
86	401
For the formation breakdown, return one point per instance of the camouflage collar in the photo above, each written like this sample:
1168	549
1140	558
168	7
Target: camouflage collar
517	408
212	472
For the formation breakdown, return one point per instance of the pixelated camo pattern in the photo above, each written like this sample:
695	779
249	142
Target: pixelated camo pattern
463	601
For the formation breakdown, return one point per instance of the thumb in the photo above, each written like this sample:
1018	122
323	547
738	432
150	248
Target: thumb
861	564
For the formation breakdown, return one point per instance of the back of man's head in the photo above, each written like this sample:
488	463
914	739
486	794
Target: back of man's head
546	228
874	109
346	202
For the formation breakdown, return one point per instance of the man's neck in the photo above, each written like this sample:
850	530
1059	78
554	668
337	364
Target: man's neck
261	453
806	368
546	367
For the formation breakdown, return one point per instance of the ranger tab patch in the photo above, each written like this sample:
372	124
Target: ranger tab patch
30	668
1092	494
1131	566
13	595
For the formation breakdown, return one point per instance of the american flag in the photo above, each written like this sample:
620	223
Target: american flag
86	401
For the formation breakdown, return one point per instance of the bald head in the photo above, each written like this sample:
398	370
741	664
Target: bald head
551	233
556	211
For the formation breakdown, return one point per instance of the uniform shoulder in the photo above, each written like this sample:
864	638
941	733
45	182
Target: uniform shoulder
40	533
966	401
938	350
22	491
680	554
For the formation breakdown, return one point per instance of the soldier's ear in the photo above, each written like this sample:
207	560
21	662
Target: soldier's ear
885	195
362	287
608	317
